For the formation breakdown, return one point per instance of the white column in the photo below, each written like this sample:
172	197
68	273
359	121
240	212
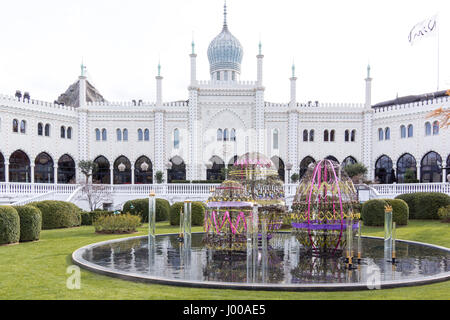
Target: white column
159	141
55	174
6	171
366	138
418	172
444	175
32	173
82	91
194	165
111	174
132	173
259	121
292	151
368	102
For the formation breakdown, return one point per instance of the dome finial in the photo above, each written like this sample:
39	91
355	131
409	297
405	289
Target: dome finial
225	15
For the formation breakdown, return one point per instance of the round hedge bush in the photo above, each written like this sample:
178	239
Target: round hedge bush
425	205
372	212
198	213
30	223
444	213
58	214
9	225
140	208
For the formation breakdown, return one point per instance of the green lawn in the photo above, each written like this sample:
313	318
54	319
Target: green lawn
38	271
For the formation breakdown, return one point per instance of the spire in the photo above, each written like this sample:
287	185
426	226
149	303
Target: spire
293	69
368	71
193	43
260	47
83	68
225	26
159	69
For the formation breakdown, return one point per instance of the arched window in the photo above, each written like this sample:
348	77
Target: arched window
275	139
410	131
435	128
279	164
384	171
219	135
97	134
311	135
353	136
431	168
387	134
125	134
19	167
325	135
233	135
122	170
140	135
347	136
119	134
427	129
40	129
305	135
332	134
304	164
2	168
404	163
23	126
178	170
66	169
69	133
102	175
143	171
104	134
63	132
43	169
349	160
380	134
225	135
332	158
47	130
216	172
402	132
147	135
176	139
15	125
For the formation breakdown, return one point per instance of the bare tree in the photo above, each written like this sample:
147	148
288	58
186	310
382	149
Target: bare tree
95	194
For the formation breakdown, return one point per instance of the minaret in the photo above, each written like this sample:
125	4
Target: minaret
366	138
293	79
260	58
159	87
193	57
82	88
368	103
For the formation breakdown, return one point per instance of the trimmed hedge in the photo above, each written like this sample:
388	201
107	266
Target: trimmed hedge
9	225
58	214
141	209
425	205
372	212
198	213
30	223
121	223
444	213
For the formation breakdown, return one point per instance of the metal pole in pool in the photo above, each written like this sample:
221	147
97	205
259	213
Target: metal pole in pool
187	223
388	232
151	229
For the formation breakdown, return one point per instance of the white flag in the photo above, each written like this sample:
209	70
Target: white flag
423	29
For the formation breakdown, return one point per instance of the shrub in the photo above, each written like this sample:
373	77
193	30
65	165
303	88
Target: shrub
58	214
198	213
372	212
425	205
121	223
140	208
444	213
30	223
9	225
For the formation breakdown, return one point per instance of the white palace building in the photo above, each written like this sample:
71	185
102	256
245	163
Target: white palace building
42	142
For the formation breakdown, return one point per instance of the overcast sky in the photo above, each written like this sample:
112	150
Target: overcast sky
43	42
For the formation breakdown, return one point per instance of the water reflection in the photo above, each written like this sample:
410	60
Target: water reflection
286	262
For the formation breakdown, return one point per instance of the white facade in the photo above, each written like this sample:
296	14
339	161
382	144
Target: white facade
188	131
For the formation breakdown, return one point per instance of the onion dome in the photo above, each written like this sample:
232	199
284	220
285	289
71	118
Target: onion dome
225	52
